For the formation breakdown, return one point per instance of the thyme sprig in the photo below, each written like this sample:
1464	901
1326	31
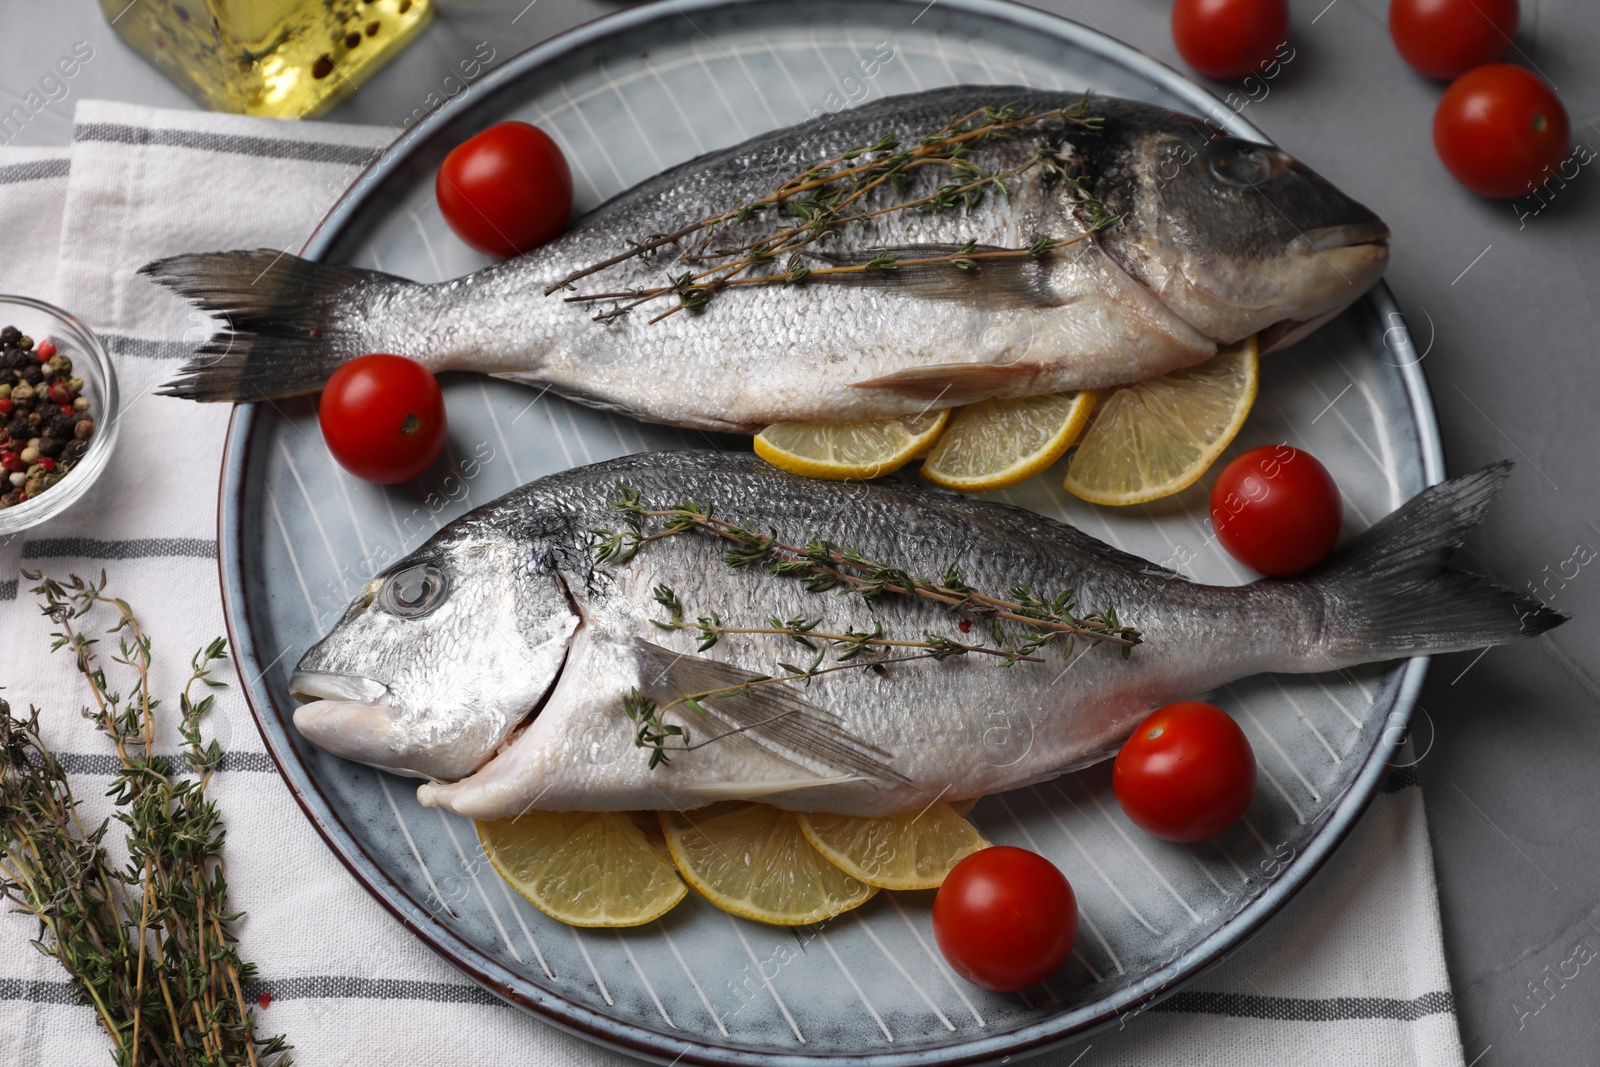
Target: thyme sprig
709	629
694	290
851	649
822	565
828	197
149	946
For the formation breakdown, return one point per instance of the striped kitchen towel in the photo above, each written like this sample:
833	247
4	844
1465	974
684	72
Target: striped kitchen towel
1351	972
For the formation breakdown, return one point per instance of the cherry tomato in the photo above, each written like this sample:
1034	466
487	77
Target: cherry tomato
1186	774
1500	130
1276	510
1005	918
1229	38
505	190
1447	38
383	418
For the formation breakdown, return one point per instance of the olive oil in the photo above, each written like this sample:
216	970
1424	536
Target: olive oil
279	58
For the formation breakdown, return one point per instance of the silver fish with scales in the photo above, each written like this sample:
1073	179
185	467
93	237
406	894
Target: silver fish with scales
496	660
1212	240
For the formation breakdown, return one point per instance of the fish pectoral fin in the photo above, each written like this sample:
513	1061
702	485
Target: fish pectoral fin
770	714
954	382
1051	774
755	790
1012	281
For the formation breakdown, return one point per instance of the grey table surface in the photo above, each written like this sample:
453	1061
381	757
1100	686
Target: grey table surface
1501	297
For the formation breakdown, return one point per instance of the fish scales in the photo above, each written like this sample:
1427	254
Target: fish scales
1216	239
436	668
933	712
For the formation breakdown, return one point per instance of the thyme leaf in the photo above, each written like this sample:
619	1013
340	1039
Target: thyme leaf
649	731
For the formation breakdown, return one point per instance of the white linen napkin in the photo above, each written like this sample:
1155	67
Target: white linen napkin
1351	972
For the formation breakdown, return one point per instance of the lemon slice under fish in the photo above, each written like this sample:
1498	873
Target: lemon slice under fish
848	450
913	850
753	860
997	443
1157	437
585	868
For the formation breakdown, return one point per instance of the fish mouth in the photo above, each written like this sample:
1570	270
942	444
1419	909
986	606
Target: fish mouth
1357	251
348	715
1347	235
345	714
323	685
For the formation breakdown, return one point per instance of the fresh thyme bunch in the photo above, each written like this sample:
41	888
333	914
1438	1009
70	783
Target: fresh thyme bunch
148	946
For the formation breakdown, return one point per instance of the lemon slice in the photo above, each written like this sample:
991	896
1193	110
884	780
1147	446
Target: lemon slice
586	868
1157	437
997	443
913	850
841	450
752	860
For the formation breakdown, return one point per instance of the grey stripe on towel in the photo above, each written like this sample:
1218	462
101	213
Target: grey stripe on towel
314	986
138	548
1401	778
1305	1009
36	170
38	992
332	986
139	348
105	764
234	144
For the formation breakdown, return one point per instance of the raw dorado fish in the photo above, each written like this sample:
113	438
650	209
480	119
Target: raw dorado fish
1216	240
495	659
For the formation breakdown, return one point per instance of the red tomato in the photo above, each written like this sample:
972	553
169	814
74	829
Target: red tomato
506	190
383	418
1500	130
1005	918
1229	38
1447	38
1186	774
1276	510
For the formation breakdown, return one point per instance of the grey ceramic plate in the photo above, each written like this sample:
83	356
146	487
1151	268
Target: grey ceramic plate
626	97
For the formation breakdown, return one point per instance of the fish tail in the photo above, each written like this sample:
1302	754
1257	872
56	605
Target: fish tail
1390	592
286	321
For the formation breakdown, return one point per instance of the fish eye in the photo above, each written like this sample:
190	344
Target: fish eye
414	591
1241	163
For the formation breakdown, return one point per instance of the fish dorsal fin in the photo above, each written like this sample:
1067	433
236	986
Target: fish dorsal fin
771	714
957	383
1000	283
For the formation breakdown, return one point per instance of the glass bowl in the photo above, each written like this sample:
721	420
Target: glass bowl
90	362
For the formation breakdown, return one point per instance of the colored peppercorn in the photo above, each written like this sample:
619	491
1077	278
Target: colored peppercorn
46	422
